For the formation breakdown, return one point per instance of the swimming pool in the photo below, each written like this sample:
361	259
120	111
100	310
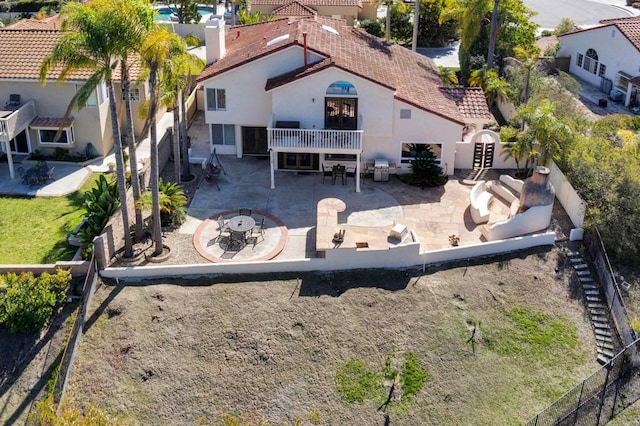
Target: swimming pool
166	13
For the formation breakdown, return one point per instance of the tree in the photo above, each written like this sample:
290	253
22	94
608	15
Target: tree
139	15
564	26
187	11
400	23
544	130
161	53
94	36
526	58
426	172
448	75
176	77
373	27
492	34
494	87
432	32
416	25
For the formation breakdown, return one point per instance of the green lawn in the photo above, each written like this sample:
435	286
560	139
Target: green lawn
35	229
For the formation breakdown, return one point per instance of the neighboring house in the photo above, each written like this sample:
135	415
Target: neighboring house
316	92
608	56
32	120
349	10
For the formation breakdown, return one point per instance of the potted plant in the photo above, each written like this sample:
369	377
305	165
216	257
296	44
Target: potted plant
454	240
338	237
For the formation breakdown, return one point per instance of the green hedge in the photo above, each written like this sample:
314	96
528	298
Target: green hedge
31	6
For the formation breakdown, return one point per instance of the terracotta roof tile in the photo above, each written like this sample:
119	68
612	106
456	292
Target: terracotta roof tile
53	122
24	49
628	26
311	3
470	101
414	78
49	23
295	8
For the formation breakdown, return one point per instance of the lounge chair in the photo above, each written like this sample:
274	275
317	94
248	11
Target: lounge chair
326	172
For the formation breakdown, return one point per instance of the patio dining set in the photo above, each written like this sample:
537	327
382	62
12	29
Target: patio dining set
238	231
38	174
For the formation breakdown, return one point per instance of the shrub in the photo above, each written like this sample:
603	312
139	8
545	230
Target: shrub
27	302
173	203
99	204
425	170
508	134
373	27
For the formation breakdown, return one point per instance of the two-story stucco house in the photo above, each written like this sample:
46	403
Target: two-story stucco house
31	114
315	92
608	56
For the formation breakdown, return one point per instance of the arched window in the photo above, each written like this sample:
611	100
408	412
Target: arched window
341	106
591	61
341	88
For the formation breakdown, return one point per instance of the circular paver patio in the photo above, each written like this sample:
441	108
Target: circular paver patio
209	245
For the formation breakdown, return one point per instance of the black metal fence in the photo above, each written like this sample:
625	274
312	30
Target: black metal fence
79	319
599	397
616	385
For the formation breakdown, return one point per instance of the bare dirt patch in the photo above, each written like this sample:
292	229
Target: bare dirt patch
171	352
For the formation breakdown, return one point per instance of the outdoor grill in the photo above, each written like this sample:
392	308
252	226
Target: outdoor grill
381	171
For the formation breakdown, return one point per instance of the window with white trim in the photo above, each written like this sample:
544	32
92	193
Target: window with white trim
46	136
223	134
413	150
102	93
134	94
92	101
579	59
602	70
216	100
589	61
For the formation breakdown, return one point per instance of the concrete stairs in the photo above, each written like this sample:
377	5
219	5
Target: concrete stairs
597	306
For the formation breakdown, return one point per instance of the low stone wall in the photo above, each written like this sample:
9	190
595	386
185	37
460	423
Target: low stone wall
78	268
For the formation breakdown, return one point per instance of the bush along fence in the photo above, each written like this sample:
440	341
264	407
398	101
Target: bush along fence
77	328
615	386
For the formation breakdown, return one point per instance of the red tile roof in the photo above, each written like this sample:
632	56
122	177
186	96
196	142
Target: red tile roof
53	122
295	8
470	101
414	78
49	23
312	3
24	49
629	27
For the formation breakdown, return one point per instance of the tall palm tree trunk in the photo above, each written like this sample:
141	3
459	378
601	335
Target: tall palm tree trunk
387	25
416	25
186	172
155	192
493	34
122	180
131	141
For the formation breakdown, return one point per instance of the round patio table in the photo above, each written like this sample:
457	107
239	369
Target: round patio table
241	223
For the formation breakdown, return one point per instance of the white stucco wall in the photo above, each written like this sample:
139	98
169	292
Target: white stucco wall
613	48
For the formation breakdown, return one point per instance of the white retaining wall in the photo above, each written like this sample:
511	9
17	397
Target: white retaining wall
464	157
568	197
339	259
182	30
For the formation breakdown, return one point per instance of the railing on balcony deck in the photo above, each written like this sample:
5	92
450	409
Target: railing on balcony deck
311	140
17	121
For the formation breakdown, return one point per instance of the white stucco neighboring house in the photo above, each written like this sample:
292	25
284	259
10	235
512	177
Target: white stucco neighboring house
316	92
607	55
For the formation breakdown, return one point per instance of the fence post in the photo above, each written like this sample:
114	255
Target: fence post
575	418
604	391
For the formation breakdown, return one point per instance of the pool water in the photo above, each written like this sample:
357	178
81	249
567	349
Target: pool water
164	13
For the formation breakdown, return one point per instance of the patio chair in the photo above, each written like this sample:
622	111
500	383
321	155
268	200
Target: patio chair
326	172
244	212
350	173
258	229
14	101
222	227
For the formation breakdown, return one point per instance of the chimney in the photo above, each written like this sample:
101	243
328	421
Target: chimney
214	35
304	38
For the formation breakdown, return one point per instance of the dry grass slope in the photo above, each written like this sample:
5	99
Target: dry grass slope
172	352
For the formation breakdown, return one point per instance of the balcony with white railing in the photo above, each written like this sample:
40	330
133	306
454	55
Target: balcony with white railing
316	141
14	122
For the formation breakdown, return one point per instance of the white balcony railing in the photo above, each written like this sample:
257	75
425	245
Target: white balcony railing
311	140
17	121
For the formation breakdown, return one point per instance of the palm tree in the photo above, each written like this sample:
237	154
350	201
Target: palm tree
161	53
448	75
545	130
527	59
416	25
493	34
94	37
176	76
140	17
494	87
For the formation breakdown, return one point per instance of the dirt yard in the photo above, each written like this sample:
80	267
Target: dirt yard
179	352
